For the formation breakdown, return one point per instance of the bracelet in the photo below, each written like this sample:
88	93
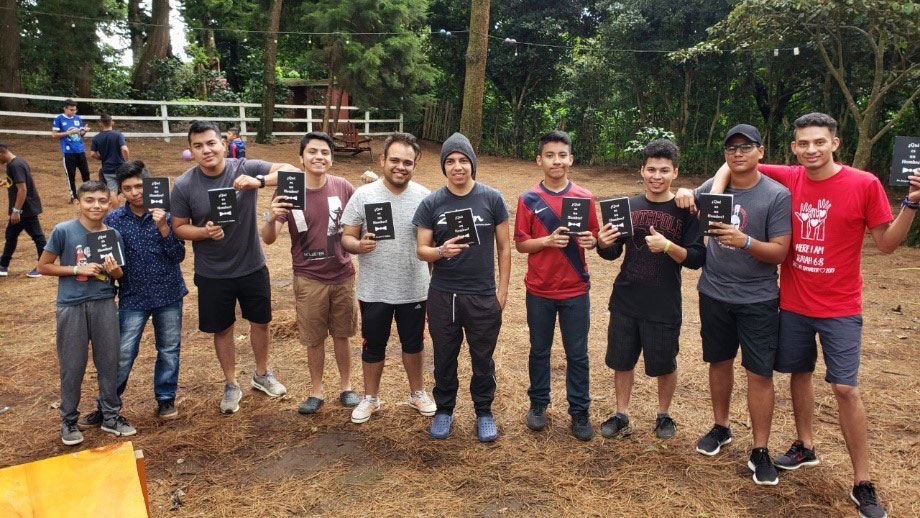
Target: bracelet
748	244
75	269
907	204
667	246
440	253
17	210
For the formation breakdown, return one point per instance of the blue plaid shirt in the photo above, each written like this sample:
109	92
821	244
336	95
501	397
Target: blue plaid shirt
152	277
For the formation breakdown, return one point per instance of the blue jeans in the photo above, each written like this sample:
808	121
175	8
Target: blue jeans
167	329
574	321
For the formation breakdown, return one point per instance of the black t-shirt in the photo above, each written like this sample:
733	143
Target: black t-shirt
108	145
648	285
18	171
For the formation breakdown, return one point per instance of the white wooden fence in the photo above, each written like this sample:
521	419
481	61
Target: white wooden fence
165	118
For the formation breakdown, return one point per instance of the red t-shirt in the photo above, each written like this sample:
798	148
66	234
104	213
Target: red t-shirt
821	275
553	273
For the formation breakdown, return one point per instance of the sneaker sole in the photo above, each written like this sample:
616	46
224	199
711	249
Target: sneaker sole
855	501
63	440
761	482
620	434
428	413
232	410
263	388
116	433
715	451
799	465
169	417
30	276
84	427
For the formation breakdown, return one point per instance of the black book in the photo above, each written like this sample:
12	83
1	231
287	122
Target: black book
102	244
617	211
460	223
575	213
904	160
156	193
379	220
223	205
715	208
291	185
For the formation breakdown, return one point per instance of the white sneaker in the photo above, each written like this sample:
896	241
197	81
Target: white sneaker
365	408
420	401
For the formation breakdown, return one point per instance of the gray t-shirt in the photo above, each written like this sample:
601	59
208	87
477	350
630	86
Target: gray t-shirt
731	274
68	242
473	271
239	253
392	273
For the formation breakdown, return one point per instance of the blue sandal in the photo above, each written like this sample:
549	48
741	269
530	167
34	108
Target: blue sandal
486	428
440	426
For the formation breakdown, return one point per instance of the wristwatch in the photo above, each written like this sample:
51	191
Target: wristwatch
905	204
261	180
17	211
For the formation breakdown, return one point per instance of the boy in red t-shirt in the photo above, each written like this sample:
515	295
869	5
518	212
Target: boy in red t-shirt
557	283
821	286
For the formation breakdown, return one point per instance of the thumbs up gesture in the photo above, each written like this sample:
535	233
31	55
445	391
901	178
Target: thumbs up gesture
656	242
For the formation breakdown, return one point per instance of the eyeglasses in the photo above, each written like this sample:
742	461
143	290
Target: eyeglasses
745	148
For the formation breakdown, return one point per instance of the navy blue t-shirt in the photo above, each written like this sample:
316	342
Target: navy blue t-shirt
108	144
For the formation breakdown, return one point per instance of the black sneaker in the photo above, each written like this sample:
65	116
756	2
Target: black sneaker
665	427
166	409
90	420
711	443
581	427
536	417
797	456
764	471
616	427
864	496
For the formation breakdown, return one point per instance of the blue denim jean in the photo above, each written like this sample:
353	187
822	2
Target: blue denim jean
574	321
167	329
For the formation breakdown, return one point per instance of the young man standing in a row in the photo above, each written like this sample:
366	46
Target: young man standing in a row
462	296
392	281
229	262
557	283
324	276
69	129
110	148
24	208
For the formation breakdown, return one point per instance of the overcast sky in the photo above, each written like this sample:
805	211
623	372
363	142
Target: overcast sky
176	36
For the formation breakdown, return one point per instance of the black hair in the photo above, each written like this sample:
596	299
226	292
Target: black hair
234	130
3	148
105	119
554	136
93	186
316	135
130	169
404	138
661	148
69	102
201	126
816	119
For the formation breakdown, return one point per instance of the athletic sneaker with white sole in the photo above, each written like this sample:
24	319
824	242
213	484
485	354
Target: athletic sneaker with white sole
230	404
711	443
365	409
268	384
420	401
866	499
797	456
118	426
764	471
70	434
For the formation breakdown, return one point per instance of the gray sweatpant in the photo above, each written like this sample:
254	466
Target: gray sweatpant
96	321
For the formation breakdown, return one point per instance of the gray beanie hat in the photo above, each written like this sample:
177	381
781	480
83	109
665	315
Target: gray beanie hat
458	143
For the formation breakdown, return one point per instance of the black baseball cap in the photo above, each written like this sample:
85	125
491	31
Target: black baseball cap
745	130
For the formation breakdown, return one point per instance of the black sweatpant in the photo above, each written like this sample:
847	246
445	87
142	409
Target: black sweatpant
32	227
450	315
72	162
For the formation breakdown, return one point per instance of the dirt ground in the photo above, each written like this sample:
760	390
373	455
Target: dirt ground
267	460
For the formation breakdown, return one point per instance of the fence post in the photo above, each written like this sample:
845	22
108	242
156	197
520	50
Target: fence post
310	117
242	120
367	122
164	112
400	122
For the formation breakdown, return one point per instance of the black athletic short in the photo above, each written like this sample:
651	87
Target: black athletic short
755	326
217	300
657	341
377	320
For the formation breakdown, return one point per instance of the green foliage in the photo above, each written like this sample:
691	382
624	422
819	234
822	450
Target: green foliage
646	135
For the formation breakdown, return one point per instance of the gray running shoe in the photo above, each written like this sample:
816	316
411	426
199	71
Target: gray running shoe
70	434
90	420
268	384
118	426
232	396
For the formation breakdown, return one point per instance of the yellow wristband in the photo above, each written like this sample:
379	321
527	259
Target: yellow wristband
667	246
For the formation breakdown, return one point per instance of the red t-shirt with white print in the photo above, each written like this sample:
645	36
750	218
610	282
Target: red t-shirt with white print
821	276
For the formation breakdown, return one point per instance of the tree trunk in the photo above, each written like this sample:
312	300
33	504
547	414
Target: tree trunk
9	49
135	29
157	46
338	111
264	136
327	100
474	85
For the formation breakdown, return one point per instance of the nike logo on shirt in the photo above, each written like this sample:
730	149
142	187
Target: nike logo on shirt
540	210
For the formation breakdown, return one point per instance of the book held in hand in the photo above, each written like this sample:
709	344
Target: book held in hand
291	186
102	244
460	223
715	208
379	220
904	160
575	213
616	211
156	193
223	205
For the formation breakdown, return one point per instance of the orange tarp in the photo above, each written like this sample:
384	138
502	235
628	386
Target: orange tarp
96	482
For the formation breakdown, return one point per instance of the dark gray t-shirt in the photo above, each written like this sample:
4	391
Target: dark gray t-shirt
473	271
239	253
731	274
68	242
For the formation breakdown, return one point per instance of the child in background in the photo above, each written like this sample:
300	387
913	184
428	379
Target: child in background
236	148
